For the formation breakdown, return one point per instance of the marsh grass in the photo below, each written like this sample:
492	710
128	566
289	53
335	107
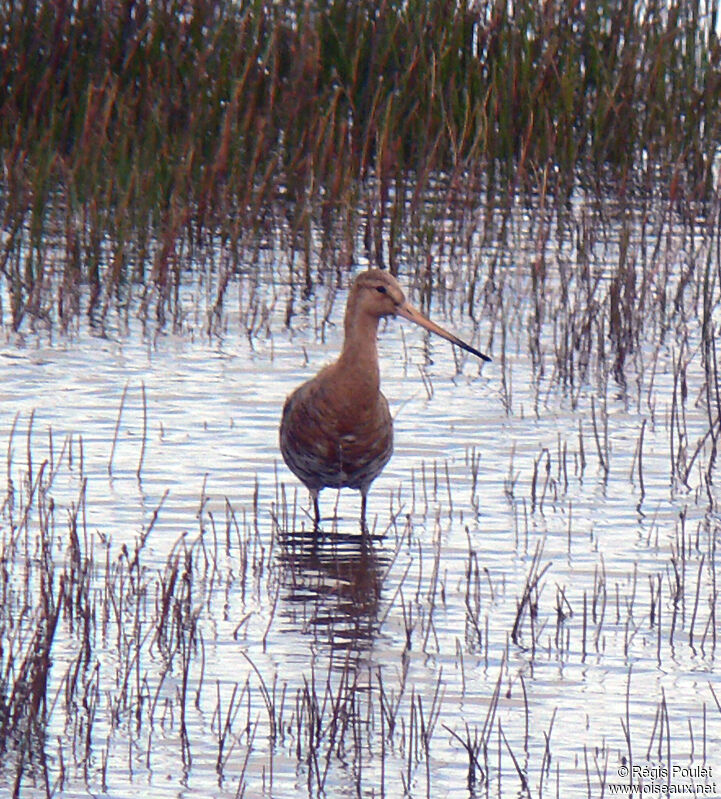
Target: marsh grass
544	178
117	644
137	136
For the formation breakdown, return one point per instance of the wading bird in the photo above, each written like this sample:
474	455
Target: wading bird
336	430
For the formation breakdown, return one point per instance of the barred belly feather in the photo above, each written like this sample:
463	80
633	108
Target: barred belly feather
325	448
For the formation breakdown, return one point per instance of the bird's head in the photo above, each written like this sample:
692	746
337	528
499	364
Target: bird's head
376	293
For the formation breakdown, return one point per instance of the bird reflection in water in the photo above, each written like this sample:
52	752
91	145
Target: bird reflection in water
332	589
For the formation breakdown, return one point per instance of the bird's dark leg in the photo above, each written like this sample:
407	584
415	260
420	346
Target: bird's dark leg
316	510
364	499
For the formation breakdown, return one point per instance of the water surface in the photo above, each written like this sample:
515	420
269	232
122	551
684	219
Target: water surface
531	590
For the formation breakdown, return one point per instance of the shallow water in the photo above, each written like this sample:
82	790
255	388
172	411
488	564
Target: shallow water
356	672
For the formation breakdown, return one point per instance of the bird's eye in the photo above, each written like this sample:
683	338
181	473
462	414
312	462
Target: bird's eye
381	289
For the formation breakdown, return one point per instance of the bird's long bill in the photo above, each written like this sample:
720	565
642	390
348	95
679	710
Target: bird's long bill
414	315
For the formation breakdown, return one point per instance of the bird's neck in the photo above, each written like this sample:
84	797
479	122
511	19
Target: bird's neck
360	350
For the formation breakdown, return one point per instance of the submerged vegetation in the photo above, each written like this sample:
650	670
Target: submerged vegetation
134	133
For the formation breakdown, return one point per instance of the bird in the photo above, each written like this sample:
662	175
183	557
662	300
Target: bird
336	429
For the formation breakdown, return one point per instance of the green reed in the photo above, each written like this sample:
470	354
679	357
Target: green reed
132	131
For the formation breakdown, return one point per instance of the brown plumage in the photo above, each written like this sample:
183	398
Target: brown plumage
336	430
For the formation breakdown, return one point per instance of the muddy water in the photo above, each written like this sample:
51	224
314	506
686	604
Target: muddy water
532	595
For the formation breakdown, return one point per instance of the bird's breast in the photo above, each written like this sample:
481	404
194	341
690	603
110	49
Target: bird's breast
336	433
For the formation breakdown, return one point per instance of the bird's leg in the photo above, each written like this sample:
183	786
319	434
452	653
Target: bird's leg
364	525
316	509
